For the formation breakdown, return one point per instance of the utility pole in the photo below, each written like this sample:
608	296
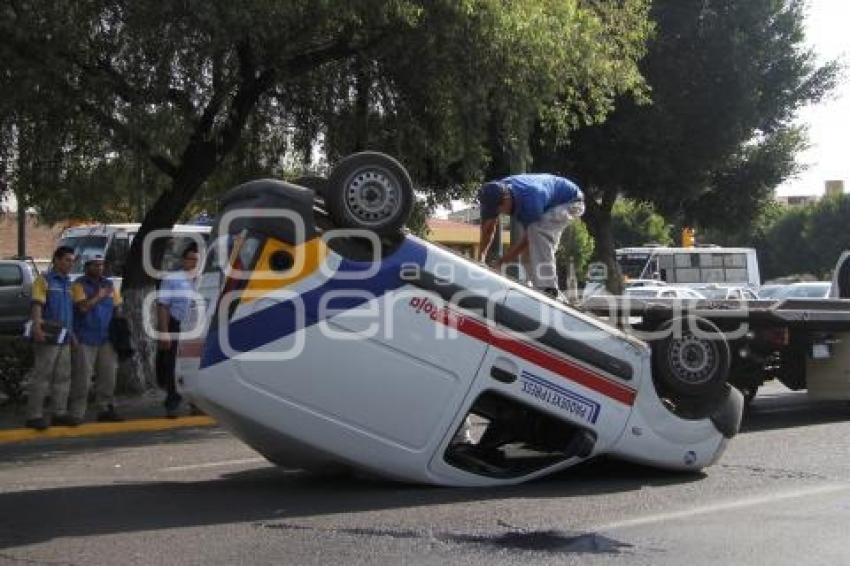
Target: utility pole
22	225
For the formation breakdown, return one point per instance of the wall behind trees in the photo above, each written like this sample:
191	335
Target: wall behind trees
41	237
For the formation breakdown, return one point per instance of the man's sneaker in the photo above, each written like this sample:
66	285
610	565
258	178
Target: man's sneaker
66	420
39	423
172	405
109	416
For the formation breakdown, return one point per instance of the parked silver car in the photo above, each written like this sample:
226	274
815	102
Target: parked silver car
16	279
726	293
806	290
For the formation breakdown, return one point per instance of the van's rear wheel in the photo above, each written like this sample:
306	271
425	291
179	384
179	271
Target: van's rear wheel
691	363
371	191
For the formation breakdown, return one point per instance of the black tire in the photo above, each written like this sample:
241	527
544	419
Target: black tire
749	394
689	367
741	378
318	184
371	191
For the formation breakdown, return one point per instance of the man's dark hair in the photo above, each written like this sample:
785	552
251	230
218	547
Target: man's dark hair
190	249
62	251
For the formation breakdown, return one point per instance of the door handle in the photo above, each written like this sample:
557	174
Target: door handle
502	375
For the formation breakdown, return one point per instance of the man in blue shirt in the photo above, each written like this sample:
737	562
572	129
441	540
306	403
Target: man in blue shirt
96	301
51	329
173	308
544	204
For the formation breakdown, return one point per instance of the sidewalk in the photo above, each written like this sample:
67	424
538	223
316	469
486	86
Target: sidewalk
142	413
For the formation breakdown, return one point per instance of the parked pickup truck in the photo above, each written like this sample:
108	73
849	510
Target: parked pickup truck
16	279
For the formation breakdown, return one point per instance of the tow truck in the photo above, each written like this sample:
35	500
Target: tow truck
802	343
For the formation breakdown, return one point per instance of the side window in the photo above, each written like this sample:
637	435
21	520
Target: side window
11	276
116	256
219	252
668	294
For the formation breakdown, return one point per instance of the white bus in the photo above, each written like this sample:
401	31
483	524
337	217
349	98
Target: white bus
112	241
692	266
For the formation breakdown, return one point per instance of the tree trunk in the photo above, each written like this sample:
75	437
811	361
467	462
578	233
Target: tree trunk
137	374
598	220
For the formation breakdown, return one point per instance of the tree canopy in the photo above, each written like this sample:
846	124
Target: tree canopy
726	78
637	224
166	98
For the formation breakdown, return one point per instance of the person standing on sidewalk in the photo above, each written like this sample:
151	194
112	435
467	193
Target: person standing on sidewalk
174	305
51	327
96	301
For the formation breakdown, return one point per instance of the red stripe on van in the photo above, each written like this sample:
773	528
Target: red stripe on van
564	367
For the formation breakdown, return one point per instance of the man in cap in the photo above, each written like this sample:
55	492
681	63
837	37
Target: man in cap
544	204
96	301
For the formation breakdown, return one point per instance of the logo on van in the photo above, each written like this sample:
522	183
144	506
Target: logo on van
443	314
560	397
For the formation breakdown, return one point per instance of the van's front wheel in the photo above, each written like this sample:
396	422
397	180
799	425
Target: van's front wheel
691	362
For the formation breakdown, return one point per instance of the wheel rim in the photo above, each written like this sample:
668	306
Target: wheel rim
373	196
692	359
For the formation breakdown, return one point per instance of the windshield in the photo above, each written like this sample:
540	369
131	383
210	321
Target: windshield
632	265
769	292
84	247
805	292
713	293
642	293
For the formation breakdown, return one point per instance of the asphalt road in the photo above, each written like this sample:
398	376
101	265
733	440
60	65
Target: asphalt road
780	495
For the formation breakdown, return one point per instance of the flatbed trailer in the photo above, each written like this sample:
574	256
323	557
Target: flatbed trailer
803	343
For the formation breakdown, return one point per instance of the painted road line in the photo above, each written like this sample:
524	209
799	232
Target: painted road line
99	429
221	464
724	506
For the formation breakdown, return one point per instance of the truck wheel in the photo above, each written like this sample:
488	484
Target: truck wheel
369	190
691	365
318	184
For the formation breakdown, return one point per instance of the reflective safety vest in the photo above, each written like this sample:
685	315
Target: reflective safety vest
53	291
92	327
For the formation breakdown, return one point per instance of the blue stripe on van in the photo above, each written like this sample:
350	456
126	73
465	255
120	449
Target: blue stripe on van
280	320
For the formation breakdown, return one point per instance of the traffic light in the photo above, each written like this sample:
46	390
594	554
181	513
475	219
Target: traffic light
688	237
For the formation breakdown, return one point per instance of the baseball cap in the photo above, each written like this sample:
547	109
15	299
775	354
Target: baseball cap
93	258
489	199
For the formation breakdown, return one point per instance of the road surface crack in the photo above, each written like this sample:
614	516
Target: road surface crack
775	473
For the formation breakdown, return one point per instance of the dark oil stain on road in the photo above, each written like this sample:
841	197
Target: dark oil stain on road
545	541
535	541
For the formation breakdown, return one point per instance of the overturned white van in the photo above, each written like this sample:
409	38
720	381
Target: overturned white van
322	346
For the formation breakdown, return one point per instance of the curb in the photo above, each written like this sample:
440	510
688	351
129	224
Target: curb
101	429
